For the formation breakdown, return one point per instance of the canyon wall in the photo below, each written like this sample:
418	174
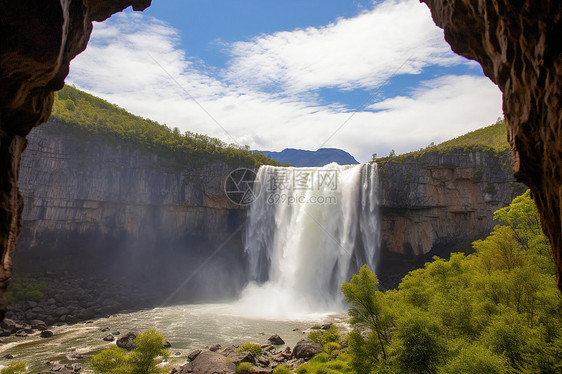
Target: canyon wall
104	207
436	203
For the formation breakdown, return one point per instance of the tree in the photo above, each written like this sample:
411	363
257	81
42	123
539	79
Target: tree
475	359
369	307
418	345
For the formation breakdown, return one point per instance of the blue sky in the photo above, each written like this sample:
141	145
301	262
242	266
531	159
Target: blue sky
363	76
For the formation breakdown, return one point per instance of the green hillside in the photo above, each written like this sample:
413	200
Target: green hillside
493	136
93	116
491	139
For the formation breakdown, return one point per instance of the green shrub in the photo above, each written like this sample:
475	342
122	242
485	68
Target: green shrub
141	360
15	368
321	357
323	337
244	367
254	349
109	360
322	363
281	369
25	289
331	347
475	359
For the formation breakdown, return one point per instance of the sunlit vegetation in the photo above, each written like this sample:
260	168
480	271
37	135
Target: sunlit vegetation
254	349
323	337
92	116
25	289
491	139
244	368
497	310
144	359
15	368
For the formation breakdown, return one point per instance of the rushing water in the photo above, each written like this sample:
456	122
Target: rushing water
186	327
307	232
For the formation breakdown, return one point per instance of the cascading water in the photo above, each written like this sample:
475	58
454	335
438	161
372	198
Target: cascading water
307	232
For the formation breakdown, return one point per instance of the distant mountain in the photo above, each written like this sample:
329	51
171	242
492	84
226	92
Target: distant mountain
321	157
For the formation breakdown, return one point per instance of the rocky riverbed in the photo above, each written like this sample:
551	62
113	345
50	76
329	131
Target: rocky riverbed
188	329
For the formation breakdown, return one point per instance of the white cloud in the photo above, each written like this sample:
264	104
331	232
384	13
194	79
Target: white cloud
397	36
122	61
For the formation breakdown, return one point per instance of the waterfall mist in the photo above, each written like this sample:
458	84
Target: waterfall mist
307	232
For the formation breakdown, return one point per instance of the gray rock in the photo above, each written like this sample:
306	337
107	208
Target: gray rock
276	340
208	362
260	370
127	341
21	333
263	360
279	357
215	347
109	338
46	334
10	325
193	355
236	358
306	349
38	324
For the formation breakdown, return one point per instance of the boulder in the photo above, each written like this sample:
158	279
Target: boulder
21	333
276	340
263	360
109	338
215	347
46	334
279	357
38	324
260	370
208	362
228	351
306	349
10	325
127	341
193	355
236	358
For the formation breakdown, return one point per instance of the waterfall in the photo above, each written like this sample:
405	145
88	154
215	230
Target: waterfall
307	232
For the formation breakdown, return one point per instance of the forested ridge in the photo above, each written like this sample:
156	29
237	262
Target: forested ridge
491	139
93	116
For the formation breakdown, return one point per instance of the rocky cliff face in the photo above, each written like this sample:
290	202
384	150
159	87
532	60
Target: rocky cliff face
518	45
104	208
437	203
107	208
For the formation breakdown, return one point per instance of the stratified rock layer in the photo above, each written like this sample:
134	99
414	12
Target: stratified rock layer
106	208
518	45
438	203
442	200
37	40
